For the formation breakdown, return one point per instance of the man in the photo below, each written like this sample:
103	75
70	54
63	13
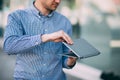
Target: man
35	35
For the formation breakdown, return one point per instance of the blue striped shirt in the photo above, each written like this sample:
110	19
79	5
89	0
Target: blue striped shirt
36	60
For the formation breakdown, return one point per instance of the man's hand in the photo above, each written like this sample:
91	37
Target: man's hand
58	36
71	61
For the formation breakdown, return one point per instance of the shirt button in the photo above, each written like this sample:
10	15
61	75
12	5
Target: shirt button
45	30
36	43
45	52
43	75
44	64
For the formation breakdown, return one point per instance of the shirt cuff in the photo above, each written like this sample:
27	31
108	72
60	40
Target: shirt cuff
36	40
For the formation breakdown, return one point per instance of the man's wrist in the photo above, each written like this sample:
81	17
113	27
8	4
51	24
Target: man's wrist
44	37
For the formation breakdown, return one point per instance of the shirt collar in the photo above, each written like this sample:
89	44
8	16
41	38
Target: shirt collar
38	13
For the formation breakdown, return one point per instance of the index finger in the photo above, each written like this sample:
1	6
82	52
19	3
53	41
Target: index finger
67	39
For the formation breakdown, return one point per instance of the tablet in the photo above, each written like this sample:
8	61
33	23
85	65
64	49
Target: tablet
81	49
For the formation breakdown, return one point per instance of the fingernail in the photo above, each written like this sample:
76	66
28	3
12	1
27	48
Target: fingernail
71	42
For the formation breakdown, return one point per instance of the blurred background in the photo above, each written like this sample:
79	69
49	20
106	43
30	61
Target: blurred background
98	21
